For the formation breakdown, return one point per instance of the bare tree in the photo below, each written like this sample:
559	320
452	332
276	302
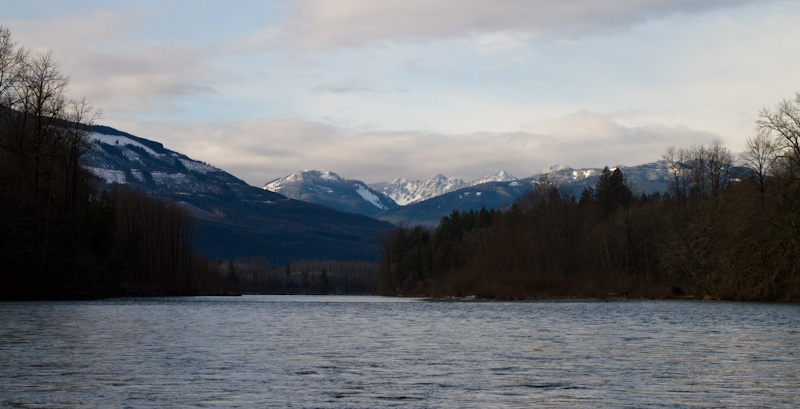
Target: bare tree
80	117
783	124
760	156
699	169
718	167
678	170
12	58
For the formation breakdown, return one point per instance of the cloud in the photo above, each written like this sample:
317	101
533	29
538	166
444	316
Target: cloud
501	41
261	150
344	87
682	71
111	70
590	139
100	28
352	23
153	80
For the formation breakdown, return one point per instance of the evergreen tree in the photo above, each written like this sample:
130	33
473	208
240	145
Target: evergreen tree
612	192
232	275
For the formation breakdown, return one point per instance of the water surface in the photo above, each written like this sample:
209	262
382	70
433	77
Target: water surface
367	352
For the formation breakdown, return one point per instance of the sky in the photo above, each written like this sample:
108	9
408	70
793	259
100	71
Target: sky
375	90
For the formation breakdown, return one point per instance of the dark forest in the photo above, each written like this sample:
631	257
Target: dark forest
722	232
59	236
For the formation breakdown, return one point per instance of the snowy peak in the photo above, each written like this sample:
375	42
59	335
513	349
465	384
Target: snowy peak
404	191
555	168
501	176
328	176
331	190
300	176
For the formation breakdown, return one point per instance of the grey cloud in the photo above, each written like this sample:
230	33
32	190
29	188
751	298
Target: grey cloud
115	74
346	87
151	79
261	150
412	65
348	23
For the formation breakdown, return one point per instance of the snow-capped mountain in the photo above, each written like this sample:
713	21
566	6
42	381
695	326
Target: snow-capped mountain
405	192
648	178
329	189
232	218
501	176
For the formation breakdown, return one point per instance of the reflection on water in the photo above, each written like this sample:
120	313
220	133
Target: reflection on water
366	352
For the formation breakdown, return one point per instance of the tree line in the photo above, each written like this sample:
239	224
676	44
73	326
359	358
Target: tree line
59	236
257	276
721	231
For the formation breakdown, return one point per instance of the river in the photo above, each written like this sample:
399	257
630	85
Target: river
371	352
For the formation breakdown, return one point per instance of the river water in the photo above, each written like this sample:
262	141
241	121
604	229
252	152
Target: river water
372	352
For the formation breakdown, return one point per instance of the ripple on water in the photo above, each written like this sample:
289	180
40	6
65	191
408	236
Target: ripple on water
347	352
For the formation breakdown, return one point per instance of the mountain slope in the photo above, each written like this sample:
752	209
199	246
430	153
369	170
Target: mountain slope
328	189
233	218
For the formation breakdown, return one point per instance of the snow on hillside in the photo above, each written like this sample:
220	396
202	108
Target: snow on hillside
108	175
125	159
118	140
554	168
199	167
329	176
370	197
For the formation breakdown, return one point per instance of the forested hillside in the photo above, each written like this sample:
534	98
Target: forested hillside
59	237
716	234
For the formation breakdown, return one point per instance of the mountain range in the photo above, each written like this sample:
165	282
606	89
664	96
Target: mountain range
405	202
648	179
405	192
329	189
232	218
317	214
